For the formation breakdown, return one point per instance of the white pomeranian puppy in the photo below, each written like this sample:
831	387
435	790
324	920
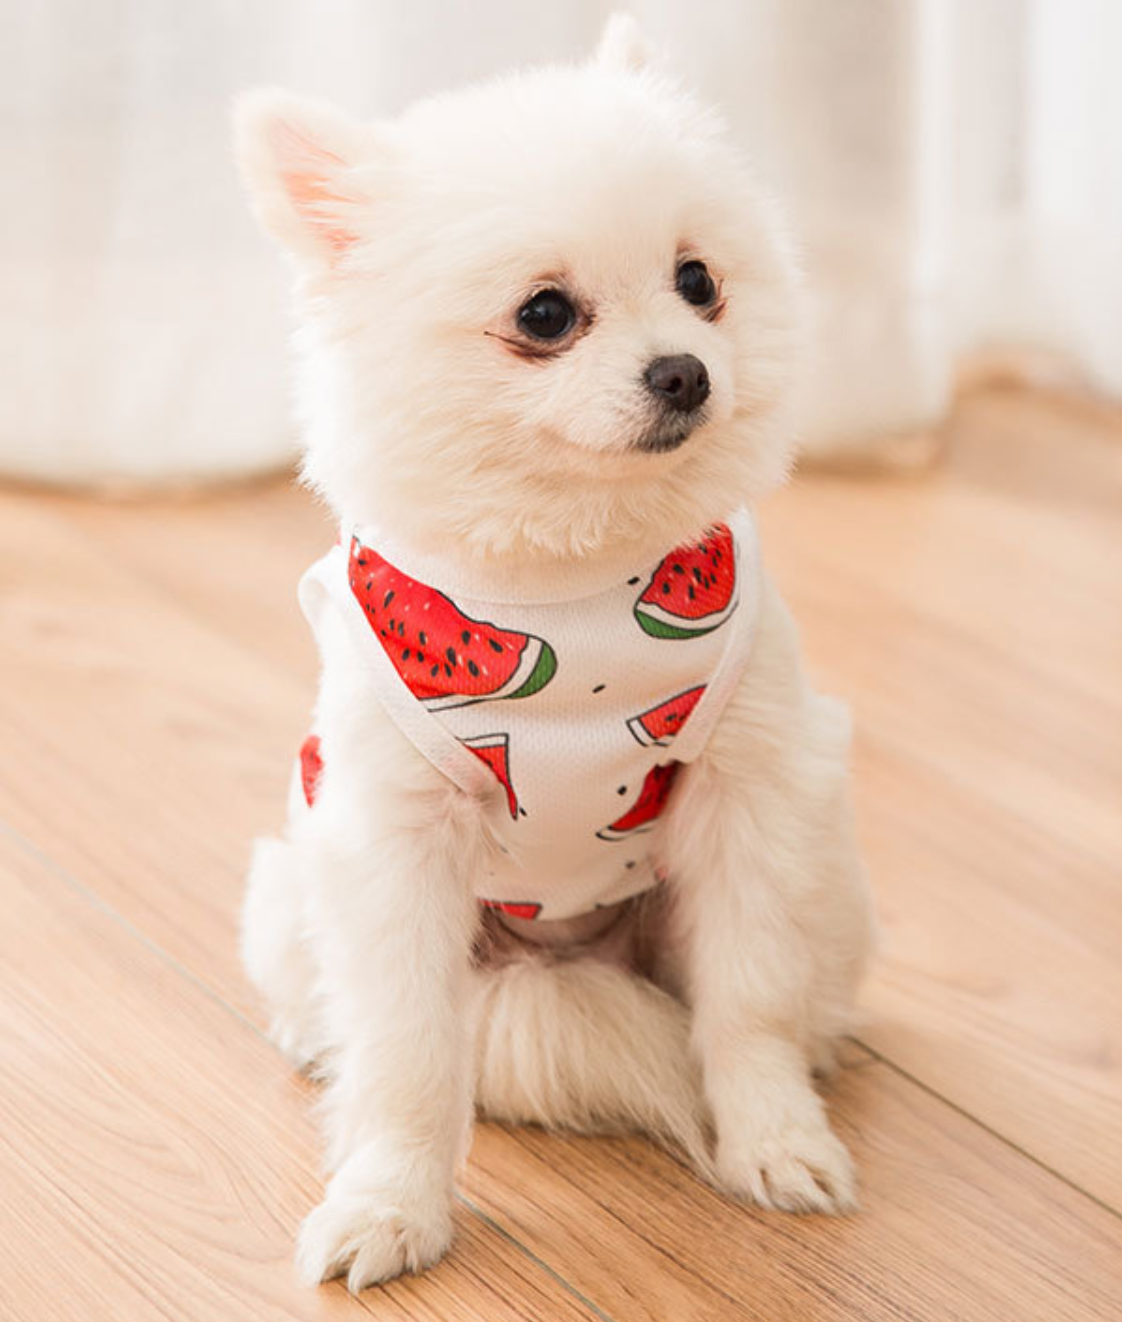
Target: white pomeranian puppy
572	841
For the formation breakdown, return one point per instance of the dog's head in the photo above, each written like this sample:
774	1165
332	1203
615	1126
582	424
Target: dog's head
539	316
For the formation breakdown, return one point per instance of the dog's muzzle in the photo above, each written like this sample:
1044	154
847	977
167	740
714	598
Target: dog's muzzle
679	384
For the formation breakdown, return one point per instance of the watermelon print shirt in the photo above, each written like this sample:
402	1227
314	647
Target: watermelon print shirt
570	714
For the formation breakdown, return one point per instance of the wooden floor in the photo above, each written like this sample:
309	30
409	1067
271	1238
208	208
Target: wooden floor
156	1153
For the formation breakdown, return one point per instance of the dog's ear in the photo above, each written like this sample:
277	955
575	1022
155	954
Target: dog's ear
308	170
622	46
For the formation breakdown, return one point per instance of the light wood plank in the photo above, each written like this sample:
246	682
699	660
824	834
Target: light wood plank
131	714
230	559
999	982
954	1226
156	1155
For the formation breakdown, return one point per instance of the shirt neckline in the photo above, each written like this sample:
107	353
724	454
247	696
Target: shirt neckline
566	580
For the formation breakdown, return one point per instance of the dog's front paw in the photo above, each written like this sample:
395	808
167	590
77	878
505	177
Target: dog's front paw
369	1239
297	1034
797	1168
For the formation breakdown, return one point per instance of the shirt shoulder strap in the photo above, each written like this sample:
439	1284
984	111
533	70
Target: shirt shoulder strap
325	587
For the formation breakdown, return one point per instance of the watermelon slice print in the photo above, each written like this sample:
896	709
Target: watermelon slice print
494	749
693	591
446	658
516	908
647	808
659	725
311	768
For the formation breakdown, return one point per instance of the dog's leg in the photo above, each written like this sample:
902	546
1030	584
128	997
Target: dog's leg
274	949
391	919
772	922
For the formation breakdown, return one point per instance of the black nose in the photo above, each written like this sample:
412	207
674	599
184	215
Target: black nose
680	381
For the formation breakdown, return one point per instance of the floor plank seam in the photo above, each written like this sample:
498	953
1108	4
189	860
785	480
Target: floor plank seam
89	896
653	1244
538	1262
1009	1143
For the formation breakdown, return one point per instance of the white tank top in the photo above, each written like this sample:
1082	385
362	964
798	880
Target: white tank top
569	714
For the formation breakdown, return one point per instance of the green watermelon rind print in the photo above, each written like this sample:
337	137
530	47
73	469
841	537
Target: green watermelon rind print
657	628
537	657
545	667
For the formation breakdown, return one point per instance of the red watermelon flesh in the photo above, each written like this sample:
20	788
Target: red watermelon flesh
311	767
659	725
693	591
516	908
647	808
446	658
494	749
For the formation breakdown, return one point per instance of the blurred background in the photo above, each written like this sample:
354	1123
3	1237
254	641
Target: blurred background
953	169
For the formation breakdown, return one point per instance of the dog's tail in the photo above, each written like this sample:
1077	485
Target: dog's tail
587	1046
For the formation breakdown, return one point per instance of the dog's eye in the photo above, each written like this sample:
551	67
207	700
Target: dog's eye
695	284
547	316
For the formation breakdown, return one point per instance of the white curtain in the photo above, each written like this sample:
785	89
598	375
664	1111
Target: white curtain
953	167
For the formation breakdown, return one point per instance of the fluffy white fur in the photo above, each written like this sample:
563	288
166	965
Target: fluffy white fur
414	243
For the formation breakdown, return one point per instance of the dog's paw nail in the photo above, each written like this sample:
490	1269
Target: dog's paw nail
367	1241
799	1170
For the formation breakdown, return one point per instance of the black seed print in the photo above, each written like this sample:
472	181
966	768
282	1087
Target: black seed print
697	573
424	640
448	671
434	671
392	626
361	561
666	587
679	570
450	653
387	598
622	789
473	668
405	655
599	688
632	581
369	584
420	655
465	637
401	628
495	647
384	634
693	594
